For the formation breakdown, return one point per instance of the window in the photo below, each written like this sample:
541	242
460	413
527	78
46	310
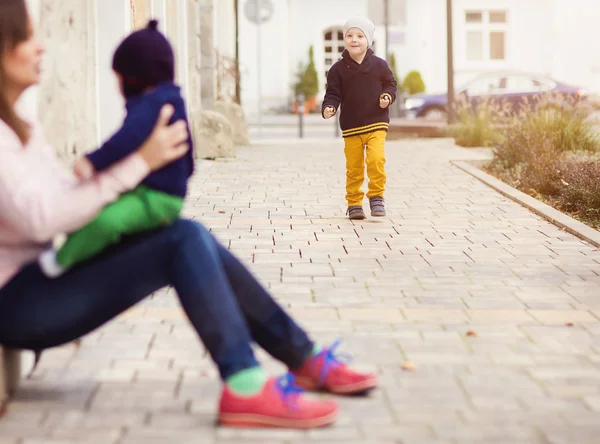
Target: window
483	86
507	84
520	84
333	44
485	35
525	84
396	12
497	16
497	45
474	45
474	17
396	18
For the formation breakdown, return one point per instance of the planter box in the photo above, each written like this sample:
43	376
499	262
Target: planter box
538	207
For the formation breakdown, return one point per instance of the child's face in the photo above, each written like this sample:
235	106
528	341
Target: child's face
356	42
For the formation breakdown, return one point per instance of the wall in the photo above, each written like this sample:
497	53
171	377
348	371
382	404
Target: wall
296	24
545	36
67	93
114	21
576	51
553	37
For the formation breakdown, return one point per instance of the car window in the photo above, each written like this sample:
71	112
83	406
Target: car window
521	84
544	84
483	86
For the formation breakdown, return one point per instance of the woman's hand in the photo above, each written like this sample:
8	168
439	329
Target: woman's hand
166	143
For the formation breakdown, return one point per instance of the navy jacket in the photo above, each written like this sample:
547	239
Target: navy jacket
357	87
142	114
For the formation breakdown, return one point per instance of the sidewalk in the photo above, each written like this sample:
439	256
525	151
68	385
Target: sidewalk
498	309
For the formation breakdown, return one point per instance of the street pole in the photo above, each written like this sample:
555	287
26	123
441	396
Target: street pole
386	22
451	114
236	7
301	115
258	63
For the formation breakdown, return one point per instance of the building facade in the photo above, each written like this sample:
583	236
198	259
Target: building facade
78	100
551	37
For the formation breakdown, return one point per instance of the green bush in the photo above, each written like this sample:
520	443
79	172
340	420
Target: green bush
413	83
476	127
579	191
538	137
552	152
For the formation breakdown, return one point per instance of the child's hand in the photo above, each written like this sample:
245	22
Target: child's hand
83	168
384	102
329	112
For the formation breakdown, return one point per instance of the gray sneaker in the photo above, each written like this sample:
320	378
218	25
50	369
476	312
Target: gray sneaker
356	212
377	206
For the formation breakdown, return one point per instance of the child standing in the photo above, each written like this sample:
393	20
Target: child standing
144	64
363	84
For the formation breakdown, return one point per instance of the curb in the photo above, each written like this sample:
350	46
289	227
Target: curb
552	215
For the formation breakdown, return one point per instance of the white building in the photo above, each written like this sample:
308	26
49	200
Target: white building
558	38
78	100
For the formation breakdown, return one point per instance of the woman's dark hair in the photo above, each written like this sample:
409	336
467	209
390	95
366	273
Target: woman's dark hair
14	29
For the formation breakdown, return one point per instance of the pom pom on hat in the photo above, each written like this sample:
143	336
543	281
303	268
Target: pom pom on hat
145	58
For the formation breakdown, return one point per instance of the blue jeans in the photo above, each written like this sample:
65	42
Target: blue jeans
226	305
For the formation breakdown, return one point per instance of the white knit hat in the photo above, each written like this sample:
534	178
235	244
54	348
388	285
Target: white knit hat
364	24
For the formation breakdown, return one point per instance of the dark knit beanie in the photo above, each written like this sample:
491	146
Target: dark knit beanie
144	59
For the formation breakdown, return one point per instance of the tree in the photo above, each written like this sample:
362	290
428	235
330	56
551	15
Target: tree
308	79
392	59
413	83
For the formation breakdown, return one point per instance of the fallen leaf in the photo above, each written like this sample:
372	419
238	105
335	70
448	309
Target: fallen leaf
222	212
471	333
408	366
569	324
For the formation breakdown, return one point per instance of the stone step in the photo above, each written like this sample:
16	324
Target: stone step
10	373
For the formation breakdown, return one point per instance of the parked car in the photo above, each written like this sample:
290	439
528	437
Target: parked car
501	87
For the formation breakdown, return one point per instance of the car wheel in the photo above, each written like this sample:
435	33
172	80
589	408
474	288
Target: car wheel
435	114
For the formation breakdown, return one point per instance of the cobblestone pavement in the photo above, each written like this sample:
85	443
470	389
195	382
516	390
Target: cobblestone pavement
498	310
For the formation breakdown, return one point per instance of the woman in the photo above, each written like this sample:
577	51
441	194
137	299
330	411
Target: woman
225	304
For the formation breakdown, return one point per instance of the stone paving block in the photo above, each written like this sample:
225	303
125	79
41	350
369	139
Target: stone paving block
366	314
500	316
339	433
88	435
570	391
75	440
399	433
439	314
563	316
567	435
452	256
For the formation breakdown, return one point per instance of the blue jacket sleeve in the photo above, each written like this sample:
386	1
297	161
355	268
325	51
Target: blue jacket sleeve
135	130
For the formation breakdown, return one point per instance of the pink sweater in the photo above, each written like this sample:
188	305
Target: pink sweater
39	199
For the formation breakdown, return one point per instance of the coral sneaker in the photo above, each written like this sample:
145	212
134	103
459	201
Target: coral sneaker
325	371
279	404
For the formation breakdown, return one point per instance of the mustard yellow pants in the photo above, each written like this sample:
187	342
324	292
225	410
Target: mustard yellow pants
355	147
